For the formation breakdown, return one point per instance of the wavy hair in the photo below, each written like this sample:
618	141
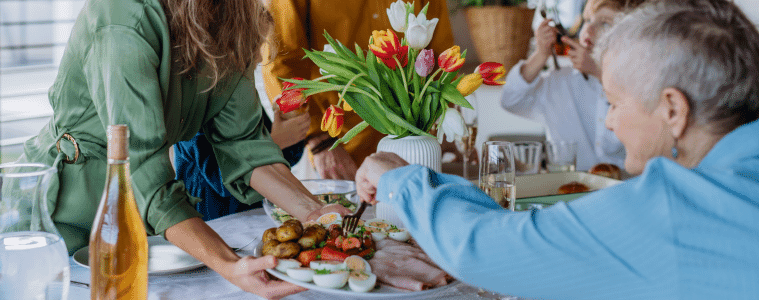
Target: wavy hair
224	35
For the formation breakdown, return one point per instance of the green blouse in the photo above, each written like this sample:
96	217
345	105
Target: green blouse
117	69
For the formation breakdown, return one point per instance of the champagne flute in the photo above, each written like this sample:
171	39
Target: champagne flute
465	145
497	173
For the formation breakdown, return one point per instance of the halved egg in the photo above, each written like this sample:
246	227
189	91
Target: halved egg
378	223
329	218
362	282
334	280
284	264
330	265
357	263
398	234
301	274
377	234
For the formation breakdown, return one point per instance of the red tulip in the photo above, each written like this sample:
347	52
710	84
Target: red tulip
387	47
332	121
450	60
291	99
491	71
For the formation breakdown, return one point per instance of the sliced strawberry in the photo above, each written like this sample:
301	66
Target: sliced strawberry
329	253
305	257
351	243
339	243
330	242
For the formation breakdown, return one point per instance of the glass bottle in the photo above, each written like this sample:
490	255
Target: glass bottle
118	242
34	263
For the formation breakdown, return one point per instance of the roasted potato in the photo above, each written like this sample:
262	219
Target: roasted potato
268	247
312	235
293	222
287	233
286	250
270	234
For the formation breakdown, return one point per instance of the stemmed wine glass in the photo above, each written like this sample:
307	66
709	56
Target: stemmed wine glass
465	145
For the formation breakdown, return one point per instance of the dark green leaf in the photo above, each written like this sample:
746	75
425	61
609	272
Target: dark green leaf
451	94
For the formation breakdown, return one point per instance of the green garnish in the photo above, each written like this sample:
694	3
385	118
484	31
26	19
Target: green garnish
322	271
322	244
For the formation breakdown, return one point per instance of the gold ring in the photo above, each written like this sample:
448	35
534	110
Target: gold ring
76	148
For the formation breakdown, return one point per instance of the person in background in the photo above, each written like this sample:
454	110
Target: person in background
569	102
167	69
682	78
300	24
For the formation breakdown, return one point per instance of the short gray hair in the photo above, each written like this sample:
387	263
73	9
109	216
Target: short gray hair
707	49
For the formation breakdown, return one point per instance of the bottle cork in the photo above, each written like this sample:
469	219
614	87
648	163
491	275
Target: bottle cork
118	142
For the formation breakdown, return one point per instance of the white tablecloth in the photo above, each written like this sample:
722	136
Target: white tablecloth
204	283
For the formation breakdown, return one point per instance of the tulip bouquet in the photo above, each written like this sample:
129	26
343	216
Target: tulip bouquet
394	86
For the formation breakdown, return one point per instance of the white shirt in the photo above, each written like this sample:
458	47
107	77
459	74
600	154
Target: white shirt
570	107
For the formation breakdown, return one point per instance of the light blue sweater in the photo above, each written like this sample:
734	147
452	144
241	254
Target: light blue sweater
671	233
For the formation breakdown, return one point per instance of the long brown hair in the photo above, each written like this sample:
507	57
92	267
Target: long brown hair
226	35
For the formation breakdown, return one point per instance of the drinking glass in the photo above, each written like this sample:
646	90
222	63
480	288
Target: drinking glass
497	172
527	157
34	263
561	156
465	145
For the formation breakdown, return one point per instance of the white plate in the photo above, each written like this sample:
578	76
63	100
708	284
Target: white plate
163	257
383	291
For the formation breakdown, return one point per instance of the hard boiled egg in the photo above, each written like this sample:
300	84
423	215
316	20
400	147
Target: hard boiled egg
358	264
377	234
301	274
398	234
362	282
329	218
329	265
378	223
334	280
284	264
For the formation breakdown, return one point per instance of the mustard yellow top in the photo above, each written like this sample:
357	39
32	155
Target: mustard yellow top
301	24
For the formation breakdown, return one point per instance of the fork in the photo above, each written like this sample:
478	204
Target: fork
350	222
558	38
246	245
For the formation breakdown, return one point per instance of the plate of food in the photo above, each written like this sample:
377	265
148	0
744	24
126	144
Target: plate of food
362	264
163	257
328	191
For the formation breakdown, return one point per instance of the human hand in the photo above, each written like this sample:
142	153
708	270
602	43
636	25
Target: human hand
581	58
371	170
545	37
329	208
335	164
249	274
288	132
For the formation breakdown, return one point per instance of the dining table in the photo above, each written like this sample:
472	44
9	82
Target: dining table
238	230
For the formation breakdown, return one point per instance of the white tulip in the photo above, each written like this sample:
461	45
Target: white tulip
452	124
420	30
397	14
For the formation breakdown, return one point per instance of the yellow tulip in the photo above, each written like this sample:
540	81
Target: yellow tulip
469	84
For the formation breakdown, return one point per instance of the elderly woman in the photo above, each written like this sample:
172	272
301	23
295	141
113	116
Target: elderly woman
683	83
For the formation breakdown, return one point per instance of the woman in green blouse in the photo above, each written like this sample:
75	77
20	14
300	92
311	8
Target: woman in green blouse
167	69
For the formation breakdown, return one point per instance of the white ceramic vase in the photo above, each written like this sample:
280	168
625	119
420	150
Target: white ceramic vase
416	150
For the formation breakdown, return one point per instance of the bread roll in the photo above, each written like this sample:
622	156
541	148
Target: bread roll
573	187
606	170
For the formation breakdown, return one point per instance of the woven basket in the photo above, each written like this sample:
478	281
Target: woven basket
500	33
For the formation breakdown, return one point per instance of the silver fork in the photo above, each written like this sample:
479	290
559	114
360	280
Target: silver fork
350	222
553	50
246	245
